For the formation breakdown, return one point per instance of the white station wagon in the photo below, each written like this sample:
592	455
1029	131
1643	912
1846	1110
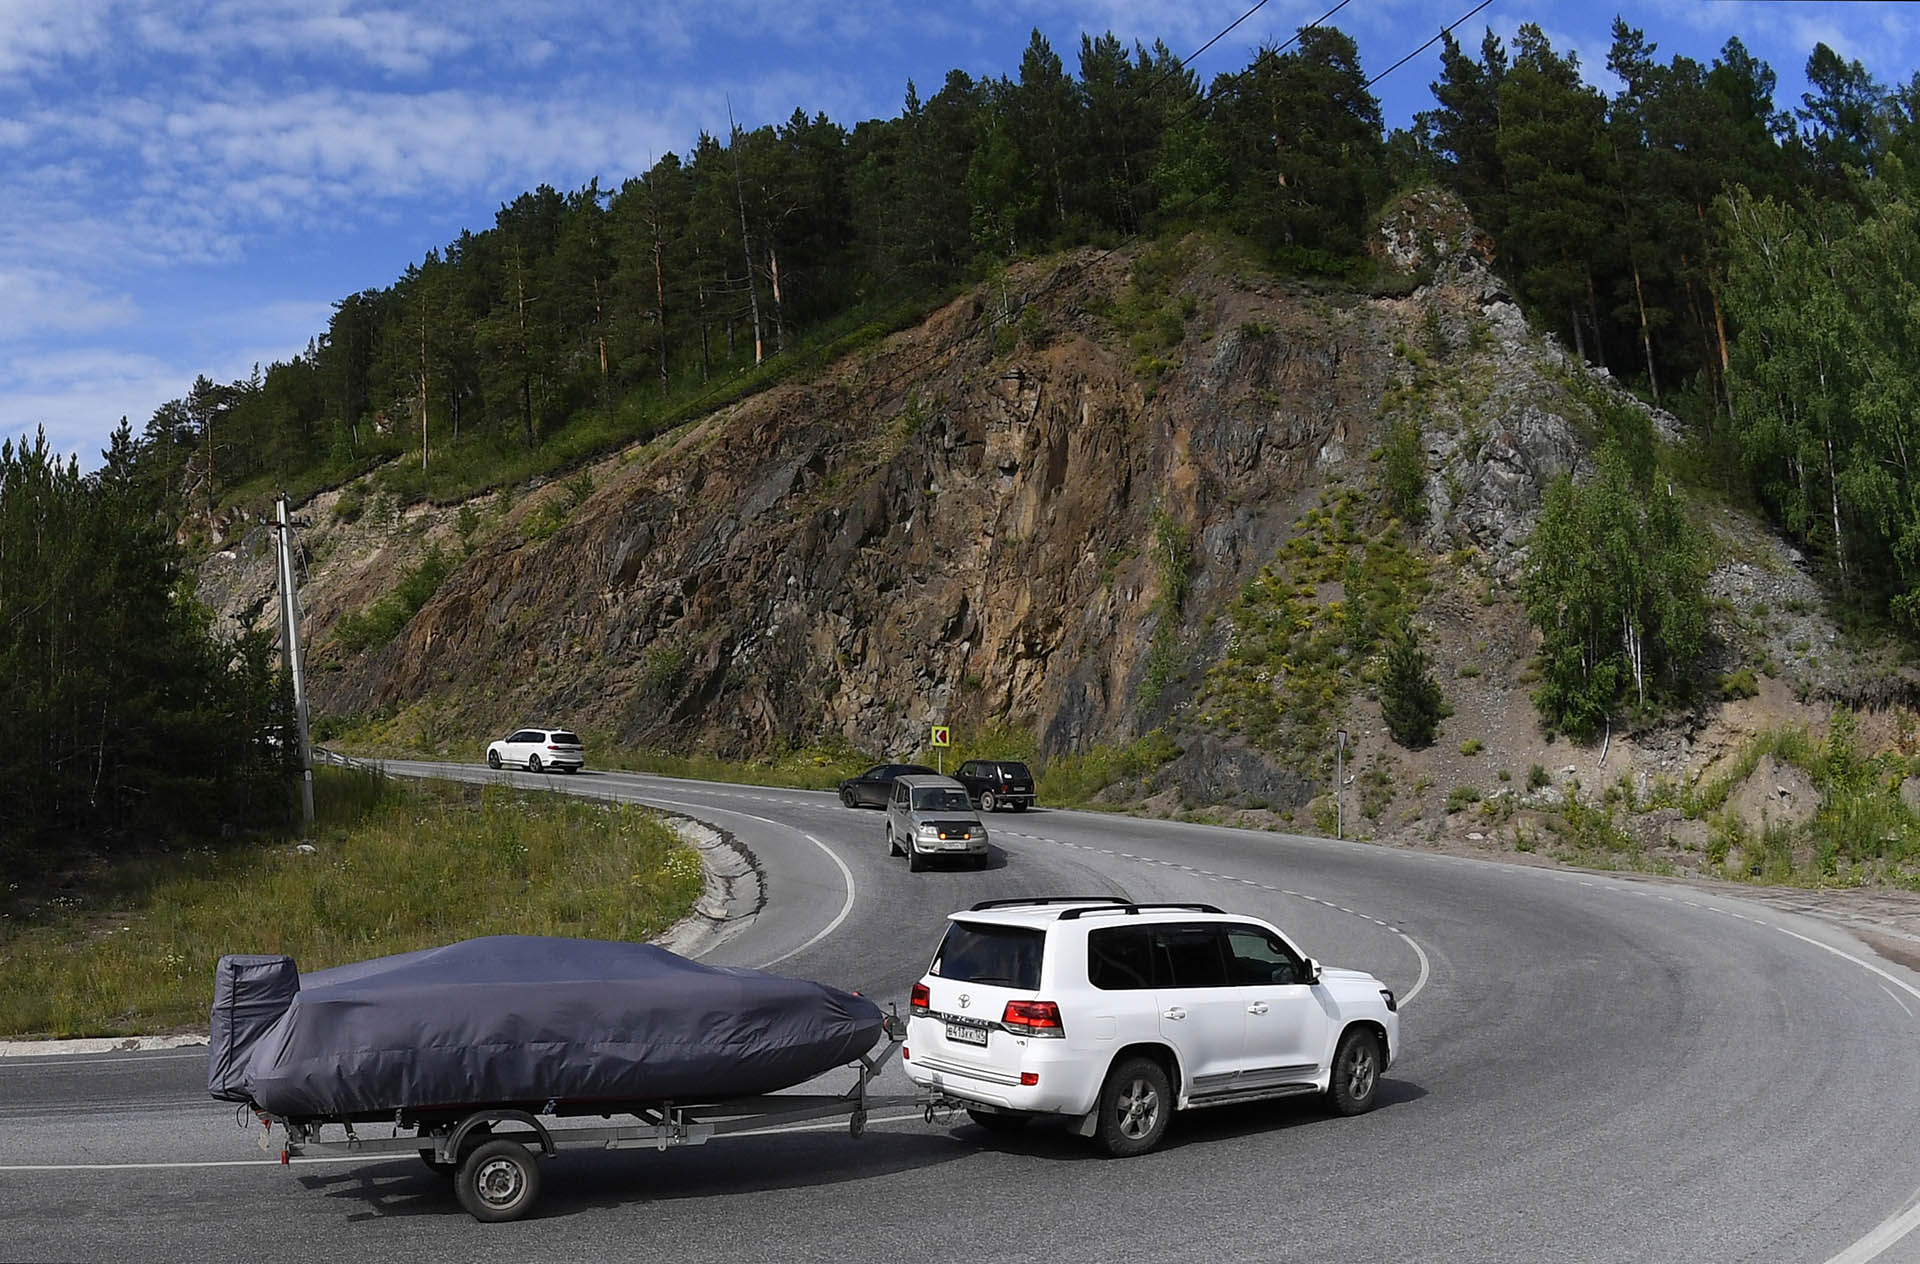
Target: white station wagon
538	749
1110	1016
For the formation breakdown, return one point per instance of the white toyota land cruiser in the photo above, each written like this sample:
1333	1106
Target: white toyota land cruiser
1113	1015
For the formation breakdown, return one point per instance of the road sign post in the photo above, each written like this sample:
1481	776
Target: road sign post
1340	785
940	739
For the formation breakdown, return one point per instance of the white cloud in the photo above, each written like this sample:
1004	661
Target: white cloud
78	396
34	300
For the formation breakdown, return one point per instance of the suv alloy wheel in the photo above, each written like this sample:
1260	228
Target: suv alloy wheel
1134	1105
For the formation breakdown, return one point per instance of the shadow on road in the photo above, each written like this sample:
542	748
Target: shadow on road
1188	1128
587	1179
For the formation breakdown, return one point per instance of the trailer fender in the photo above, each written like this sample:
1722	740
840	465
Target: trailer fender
450	1145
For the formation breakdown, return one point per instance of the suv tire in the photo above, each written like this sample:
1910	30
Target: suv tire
493	760
1135	1104
915	861
989	802
533	763
1355	1083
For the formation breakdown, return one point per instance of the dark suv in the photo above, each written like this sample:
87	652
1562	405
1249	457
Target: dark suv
997	783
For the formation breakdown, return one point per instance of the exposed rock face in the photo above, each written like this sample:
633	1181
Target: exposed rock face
937	530
1775	794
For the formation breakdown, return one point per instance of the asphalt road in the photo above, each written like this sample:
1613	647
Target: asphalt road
1596	1068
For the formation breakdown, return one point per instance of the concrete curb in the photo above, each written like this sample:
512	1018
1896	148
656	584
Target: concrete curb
733	890
95	1044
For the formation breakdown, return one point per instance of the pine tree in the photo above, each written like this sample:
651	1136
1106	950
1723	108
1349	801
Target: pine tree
1410	698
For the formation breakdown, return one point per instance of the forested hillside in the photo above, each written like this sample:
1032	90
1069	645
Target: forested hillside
1747	264
1673	234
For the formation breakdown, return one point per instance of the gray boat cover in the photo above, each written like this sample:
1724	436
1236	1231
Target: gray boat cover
524	1019
249	996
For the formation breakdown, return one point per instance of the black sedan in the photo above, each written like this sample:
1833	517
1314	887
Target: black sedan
871	788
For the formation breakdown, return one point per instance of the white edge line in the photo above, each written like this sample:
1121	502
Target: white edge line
1425	969
1900	1224
846	874
830	927
317	1160
1895	999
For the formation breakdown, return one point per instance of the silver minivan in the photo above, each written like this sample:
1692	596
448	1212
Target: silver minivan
933	817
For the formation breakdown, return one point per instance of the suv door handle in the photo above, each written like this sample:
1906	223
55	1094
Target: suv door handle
1175	1013
1258	1007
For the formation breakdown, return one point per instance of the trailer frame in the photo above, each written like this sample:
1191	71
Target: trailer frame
490	1149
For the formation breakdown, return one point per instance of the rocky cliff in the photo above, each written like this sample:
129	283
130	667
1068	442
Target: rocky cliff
1035	509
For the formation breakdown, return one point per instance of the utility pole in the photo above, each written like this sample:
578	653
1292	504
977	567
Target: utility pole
296	663
1340	785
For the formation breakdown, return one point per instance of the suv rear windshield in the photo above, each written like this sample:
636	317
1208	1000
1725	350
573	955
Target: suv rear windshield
1003	956
563	738
942	800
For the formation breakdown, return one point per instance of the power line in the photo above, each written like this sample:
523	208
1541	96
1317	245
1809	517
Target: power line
1444	31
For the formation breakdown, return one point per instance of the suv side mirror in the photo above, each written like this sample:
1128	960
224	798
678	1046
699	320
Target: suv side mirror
1311	972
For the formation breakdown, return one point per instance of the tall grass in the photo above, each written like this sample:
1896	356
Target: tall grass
395	869
808	768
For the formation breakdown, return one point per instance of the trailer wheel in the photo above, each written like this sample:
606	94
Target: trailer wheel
499	1181
857	1124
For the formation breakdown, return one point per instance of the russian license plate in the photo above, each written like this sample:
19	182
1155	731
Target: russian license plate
967	1033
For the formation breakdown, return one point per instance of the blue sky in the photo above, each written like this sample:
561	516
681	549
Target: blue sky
189	185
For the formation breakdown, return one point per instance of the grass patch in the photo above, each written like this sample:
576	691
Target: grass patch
805	768
1298	648
396	868
1069	780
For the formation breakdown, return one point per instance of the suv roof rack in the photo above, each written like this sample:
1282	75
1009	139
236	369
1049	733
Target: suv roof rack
1050	899
1130	909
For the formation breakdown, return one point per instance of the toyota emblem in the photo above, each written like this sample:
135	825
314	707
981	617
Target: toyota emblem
965	1000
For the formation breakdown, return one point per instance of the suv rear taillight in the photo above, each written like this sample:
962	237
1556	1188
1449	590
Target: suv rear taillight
1033	1018
920	1002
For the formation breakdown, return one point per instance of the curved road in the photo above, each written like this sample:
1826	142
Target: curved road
1596	1068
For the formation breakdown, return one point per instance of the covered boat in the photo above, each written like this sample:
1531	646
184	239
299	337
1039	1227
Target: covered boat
549	1024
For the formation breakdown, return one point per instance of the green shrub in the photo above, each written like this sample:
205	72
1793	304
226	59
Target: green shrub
1472	746
352	503
382	621
1538	778
467	524
1403	472
1739	684
1410	698
1460	798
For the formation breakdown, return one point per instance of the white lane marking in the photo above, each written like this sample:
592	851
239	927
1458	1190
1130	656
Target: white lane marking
559	1134
1884	1235
1425	969
1896	1000
846	875
832	926
132	1167
1908	988
1900	1224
